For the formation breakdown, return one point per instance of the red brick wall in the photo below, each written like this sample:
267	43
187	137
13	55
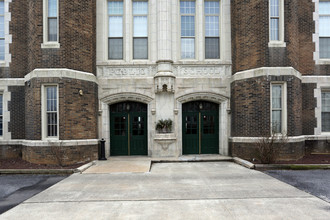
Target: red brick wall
250	37
77	36
250	107
77	114
63	155
308	108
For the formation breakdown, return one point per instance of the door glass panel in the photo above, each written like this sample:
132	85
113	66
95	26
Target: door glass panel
120	126
208	124
138	126
191	124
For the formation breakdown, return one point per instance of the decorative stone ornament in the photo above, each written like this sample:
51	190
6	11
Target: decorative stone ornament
164	83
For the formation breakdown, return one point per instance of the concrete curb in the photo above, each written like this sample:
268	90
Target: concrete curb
48	171
37	171
291	166
84	167
244	163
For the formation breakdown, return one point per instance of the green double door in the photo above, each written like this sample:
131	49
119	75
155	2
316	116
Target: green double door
128	129
200	132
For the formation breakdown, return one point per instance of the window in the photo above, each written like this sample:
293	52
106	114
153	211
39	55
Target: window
52	20
50	23
50	121
278	108
212	11
1	114
115	36
187	11
140	29
324	29
276	23
325	111
2	30
274	20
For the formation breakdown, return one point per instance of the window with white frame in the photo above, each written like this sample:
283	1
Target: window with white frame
140	29
324	29
1	114
50	24
212	42
187	12
115	36
276	21
278	108
50	121
2	30
325	118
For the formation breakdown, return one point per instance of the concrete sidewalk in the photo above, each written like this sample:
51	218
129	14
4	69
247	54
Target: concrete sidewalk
206	190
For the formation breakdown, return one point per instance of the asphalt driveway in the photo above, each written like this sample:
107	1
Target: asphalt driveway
315	182
14	189
209	190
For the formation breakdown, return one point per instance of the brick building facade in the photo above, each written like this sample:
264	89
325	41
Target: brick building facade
226	73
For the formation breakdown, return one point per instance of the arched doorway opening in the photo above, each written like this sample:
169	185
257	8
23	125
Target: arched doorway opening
200	127
128	129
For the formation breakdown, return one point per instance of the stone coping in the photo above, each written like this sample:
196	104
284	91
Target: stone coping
36	143
291	139
266	71
61	73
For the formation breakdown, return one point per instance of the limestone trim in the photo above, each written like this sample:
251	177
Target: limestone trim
8	36
61	73
292	139
266	71
120	97
12	82
35	143
322	83
316	37
207	96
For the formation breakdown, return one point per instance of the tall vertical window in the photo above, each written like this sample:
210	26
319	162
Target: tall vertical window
325	111
324	29
52	20
274	20
187	11
212	11
2	30
51	111
278	108
1	115
115	36
140	30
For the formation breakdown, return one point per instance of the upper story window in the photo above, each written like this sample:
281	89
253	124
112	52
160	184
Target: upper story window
187	12
324	29
212	41
51	21
276	23
140	30
115	36
2	30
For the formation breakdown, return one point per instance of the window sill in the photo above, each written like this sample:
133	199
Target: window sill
276	44
50	45
323	62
